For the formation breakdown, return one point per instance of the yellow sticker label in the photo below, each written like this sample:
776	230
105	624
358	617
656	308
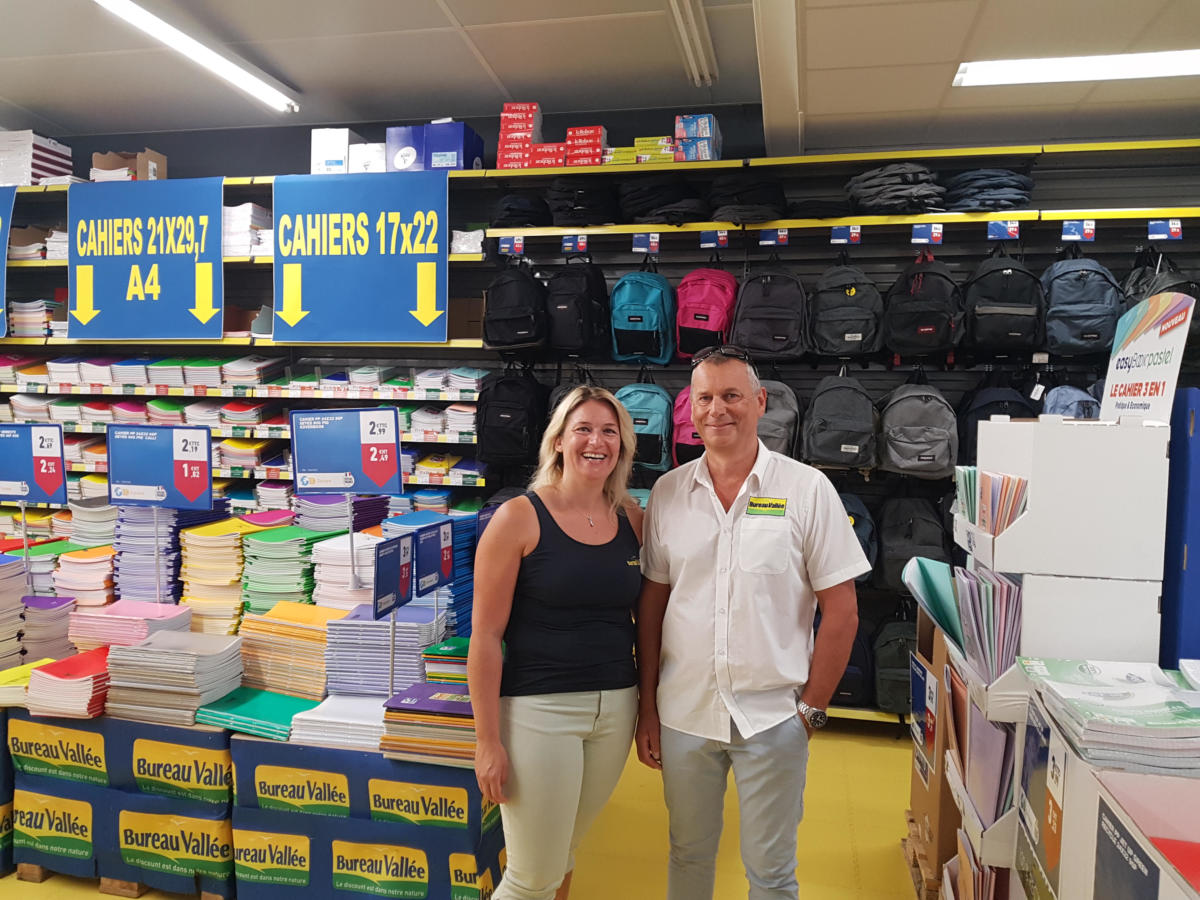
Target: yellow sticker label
418	804
6	826
466	883
766	506
177	845
178	770
302	790
381	870
53	825
39	748
261	857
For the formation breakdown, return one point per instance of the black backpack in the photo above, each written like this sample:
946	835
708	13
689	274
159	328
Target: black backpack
841	426
1164	277
864	530
893	645
577	309
846	313
979	406
1005	305
908	527
857	684
769	318
1146	264
514	313
923	311
510	417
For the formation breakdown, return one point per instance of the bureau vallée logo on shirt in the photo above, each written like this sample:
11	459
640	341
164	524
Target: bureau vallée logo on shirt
465	881
183	772
302	790
52	825
6	826
176	845
260	857
766	506
418	804
67	753
382	870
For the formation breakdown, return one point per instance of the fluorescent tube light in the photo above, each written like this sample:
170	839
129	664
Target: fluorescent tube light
1079	68
223	65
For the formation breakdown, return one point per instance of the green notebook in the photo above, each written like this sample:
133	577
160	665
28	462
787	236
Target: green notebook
255	711
166	404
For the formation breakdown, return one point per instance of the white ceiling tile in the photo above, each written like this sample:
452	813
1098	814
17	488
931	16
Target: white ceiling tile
819	4
52	27
512	12
732	30
1024	29
886	35
1017	95
1176	27
1149	90
885	89
239	20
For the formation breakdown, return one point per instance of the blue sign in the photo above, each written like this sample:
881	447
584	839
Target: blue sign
512	246
1079	230
159	465
435	556
714	240
146	260
481	521
773	237
1164	230
574	243
8	196
361	257
927	233
645	242
31	464
346	451
845	234
1003	231
393	574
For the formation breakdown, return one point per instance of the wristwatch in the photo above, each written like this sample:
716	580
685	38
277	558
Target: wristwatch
816	718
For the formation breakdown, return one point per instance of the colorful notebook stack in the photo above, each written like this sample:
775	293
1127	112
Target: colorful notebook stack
446	663
167	677
43	559
273	495
278	566
86	575
12	587
247	452
73	688
284	649
251	370
323	512
343	721
430	723
125	622
93	522
332	572
356	653
211	571
147	563
47	620
253	711
15	680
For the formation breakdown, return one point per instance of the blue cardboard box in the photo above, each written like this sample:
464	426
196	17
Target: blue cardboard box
6	768
186	763
6	835
64	749
442	145
59	824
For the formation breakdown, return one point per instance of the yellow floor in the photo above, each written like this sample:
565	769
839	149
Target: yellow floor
858	780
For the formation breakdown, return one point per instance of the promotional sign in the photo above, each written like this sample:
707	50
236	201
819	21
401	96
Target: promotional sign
31	464
1079	230
1164	230
1147	351
482	519
773	237
8	196
714	240
574	243
361	257
644	242
146	260
159	465
346	450
1003	231
512	246
927	233
434	557
845	234
393	574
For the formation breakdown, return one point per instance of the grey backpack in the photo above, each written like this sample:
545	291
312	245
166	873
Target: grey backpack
769	317
846	313
779	428
1083	304
840	427
918	433
1072	402
908	527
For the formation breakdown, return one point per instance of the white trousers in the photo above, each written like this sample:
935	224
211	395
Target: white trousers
565	756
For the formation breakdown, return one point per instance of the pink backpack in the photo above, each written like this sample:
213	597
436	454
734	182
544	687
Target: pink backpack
706	298
685	444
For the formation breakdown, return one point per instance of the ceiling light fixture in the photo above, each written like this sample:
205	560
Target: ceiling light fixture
224	65
1116	67
699	57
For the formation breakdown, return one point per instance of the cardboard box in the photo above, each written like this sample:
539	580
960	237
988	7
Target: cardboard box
584	132
522	135
514	164
584	152
696	150
523	107
596	160
465	318
59	824
6	767
147	164
520	119
703	125
6	835
368	158
59	749
330	150
190	764
549	149
654	143
517	145
547	162
439	145
514	156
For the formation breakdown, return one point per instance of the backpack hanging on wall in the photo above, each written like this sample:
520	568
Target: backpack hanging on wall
864	530
894	642
845	312
841	424
686	444
643	317
1005	305
514	313
769	320
651	409
979	406
918	432
779	427
577	309
1071	402
856	687
923	309
1083	303
706	298
510	417
908	527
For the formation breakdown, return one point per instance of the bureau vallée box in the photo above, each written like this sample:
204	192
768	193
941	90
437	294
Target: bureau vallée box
6	796
59	824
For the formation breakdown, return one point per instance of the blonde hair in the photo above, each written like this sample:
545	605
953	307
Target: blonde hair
550	461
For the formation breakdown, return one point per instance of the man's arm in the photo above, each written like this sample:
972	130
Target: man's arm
652	606
839	624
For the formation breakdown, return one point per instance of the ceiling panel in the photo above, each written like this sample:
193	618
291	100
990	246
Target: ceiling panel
732	29
1176	27
239	20
511	12
886	89
16	118
1147	90
1015	95
887	35
77	26
1024	29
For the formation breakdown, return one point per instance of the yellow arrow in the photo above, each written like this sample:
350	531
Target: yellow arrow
291	312
84	311
204	309
426	312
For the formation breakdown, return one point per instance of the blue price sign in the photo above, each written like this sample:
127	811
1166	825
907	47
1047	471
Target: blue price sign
1164	230
159	465
393	574
1003	231
435	556
345	244
574	243
1079	230
8	196
481	521
714	240
645	242
927	233
31	464
773	237
346	451
145	260
512	246
845	234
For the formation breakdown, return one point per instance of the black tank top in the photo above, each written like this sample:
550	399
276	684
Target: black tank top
571	626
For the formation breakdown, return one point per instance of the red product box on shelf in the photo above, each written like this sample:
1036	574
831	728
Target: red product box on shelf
512	164
547	162
529	136
588	146
520	120
514	156
549	149
514	146
522	107
584	152
596	160
598	132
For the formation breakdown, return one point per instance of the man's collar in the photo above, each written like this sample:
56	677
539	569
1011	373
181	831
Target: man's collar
701	477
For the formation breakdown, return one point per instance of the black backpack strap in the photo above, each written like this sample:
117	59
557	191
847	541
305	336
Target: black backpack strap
586	257
843	258
644	376
714	260
999	250
918	375
649	264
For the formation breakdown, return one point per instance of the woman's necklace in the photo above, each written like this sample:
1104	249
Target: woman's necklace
589	518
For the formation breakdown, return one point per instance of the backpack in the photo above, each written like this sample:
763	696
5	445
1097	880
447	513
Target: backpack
643	317
514	312
510	418
686	444
1083	303
706	300
581	377
980	406
1146	264
779	428
769	318
856	686
577	307
841	424
893	645
918	432
1072	402
845	313
908	527
1165	278
650	408
864	530
923	309
1005	306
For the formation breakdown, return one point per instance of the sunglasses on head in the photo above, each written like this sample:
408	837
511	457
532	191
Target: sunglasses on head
730	351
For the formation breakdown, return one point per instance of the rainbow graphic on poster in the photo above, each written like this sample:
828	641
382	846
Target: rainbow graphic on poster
1160	313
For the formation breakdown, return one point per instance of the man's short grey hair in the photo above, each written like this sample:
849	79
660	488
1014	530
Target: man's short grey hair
719	360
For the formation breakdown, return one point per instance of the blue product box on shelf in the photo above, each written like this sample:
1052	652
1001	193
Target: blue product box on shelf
697	150
699	125
65	749
186	763
6	767
440	145
59	824
6	834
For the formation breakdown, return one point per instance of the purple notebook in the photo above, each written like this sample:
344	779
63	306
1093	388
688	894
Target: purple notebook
46	603
441	699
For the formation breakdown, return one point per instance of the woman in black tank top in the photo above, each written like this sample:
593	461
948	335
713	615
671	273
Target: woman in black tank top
557	576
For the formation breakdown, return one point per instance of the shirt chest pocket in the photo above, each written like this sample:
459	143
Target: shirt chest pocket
764	545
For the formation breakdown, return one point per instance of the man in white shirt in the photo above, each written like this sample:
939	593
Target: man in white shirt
741	547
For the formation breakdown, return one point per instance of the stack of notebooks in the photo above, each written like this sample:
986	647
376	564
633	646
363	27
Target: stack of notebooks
12	587
332	572
238	226
246	453
167	372
26	158
211	572
97	369
253	711
436	500
989	609
460	417
465	378
15	680
86	575
430	723
278	566
43	559
125	622
428	419
446	663
165	411
73	688
147	564
990	500
251	370
273	495
93	522
431	379
30	407
129	412
325	512
356	653
343	721
167	677
47	620
370	376
203	412
202	370
284	649
247	412
92	487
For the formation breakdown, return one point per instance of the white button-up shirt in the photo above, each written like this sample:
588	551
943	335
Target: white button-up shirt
737	635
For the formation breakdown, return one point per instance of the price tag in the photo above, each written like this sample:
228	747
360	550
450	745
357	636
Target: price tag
31	464
845	234
1165	230
1079	230
645	242
393	574
714	240
574	243
773	237
1003	231
346	450
192	457
512	246
927	233
435	556
159	465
